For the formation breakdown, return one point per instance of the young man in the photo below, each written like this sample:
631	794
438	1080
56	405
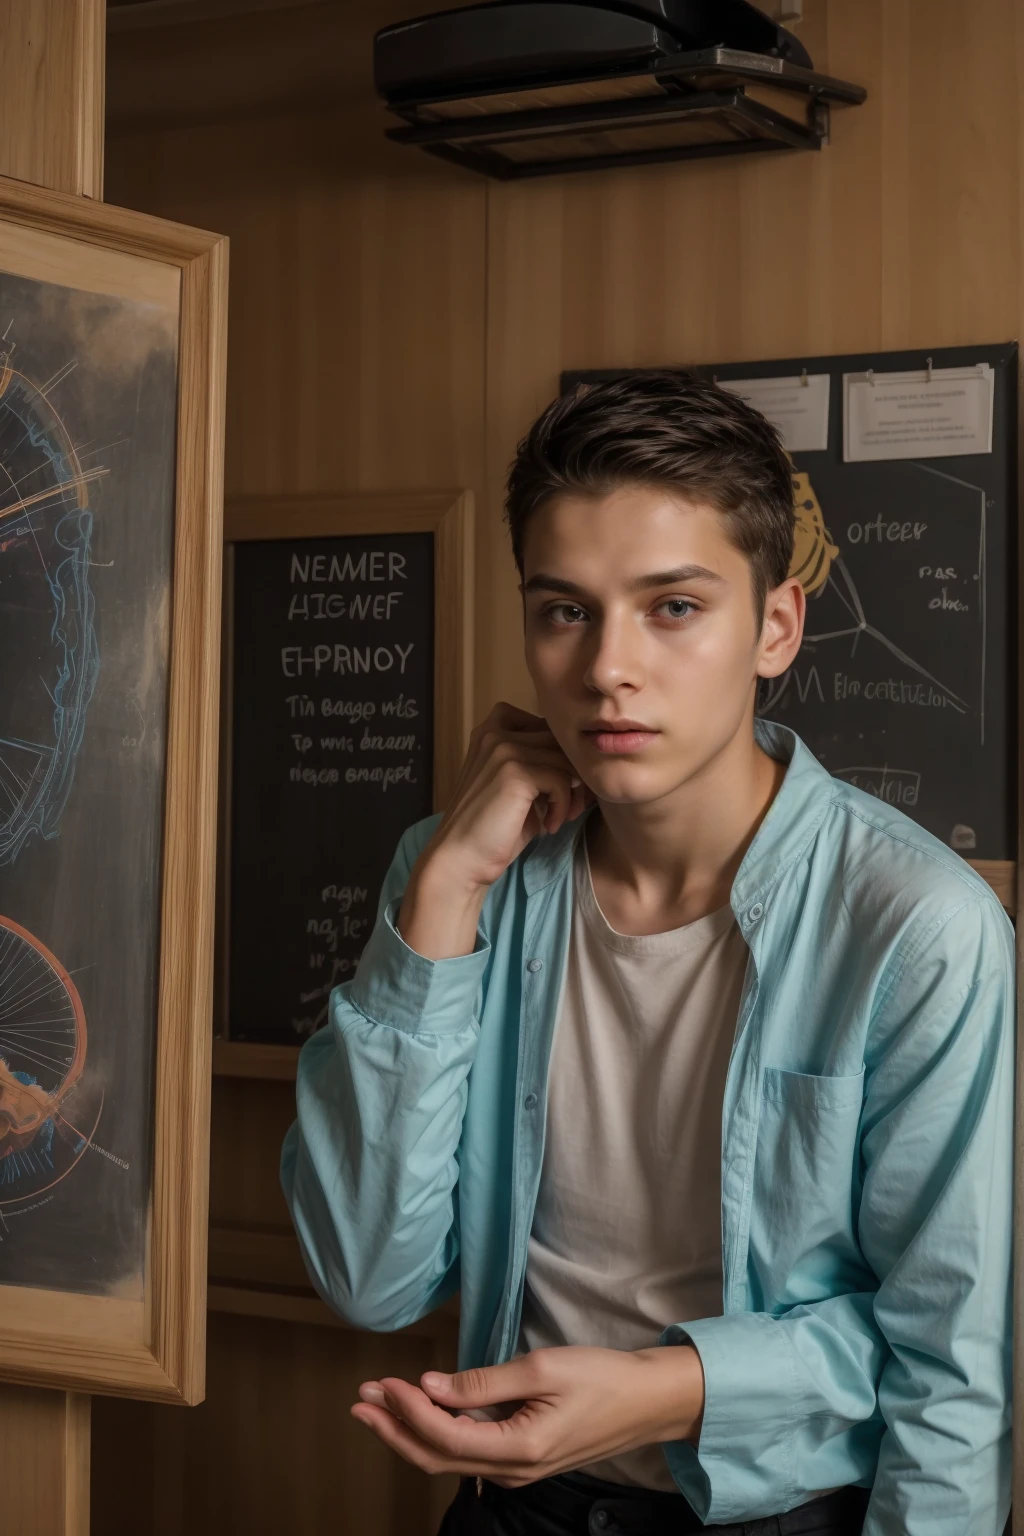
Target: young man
664	1037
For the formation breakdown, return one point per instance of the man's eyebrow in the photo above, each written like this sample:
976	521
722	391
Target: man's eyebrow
544	583
669	578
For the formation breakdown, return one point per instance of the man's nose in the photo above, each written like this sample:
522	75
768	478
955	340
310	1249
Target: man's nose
617	658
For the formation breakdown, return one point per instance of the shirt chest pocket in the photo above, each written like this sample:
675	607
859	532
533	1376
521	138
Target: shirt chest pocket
802	1241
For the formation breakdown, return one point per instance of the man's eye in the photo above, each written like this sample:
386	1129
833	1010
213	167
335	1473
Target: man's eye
565	613
677	607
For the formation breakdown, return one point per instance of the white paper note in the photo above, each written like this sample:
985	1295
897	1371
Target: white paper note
798	406
912	416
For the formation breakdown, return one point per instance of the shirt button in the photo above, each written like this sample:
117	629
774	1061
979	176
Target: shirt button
530	1102
756	911
535	966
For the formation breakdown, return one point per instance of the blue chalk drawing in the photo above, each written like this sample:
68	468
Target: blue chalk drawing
45	541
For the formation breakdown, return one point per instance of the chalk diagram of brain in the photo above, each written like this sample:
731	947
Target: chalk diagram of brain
47	626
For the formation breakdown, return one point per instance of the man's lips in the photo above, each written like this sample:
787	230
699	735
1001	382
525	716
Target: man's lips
619	736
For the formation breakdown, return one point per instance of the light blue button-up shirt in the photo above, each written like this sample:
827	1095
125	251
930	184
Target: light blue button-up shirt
866	1156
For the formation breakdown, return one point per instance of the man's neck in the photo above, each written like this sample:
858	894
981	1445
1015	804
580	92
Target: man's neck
671	861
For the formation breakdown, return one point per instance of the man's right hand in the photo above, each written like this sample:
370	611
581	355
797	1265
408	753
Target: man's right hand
516	782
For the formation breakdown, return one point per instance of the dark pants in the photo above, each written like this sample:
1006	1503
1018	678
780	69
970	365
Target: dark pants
575	1504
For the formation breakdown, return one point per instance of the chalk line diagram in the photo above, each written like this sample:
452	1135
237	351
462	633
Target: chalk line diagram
42	1056
824	573
47	634
45	599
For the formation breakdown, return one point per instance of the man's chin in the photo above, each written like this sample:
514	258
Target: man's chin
631	784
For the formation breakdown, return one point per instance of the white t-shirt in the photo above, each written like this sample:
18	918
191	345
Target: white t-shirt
626	1236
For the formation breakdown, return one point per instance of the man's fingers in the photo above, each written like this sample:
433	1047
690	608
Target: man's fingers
514	718
521	749
561	803
436	1441
452	1436
544	769
545	780
565	802
508	717
514	1381
401	1439
568	806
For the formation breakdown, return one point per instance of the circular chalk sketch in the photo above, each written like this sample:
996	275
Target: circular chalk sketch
47	635
42	1053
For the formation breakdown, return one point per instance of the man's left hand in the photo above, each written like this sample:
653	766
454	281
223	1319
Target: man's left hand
568	1407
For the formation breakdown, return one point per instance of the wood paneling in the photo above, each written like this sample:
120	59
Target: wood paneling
203	61
356	304
239	1058
1001	875
44	1462
272	1450
51	105
131	15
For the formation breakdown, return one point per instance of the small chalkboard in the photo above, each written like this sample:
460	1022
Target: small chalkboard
906	683
338	739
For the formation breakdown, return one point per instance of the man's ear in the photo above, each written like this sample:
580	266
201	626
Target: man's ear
782	630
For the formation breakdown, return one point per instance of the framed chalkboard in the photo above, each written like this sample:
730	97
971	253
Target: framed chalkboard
112	349
906	682
348	645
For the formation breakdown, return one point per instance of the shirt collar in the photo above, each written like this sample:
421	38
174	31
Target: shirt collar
793	818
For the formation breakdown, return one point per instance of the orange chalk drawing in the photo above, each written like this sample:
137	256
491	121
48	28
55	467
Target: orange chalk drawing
42	1055
813	550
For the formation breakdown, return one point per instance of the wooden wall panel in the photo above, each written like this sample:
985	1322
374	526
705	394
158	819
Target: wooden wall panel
44	1462
51	107
905	231
356	307
271	1451
248	1124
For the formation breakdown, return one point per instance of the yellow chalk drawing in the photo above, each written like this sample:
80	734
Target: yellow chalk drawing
813	550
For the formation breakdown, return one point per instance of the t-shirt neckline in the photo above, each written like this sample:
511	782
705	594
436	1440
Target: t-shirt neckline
702	931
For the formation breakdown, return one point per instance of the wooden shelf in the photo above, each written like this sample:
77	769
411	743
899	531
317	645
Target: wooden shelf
258	1272
240	1058
1001	875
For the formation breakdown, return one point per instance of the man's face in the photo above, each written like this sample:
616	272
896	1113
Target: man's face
639	610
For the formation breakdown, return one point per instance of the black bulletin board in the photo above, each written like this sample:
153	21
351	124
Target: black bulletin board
906	683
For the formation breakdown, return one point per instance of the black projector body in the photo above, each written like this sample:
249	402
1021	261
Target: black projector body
527	87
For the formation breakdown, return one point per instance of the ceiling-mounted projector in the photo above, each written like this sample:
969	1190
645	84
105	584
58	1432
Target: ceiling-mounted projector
535	87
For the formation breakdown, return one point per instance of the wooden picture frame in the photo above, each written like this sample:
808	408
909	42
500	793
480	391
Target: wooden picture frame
448	517
150	1345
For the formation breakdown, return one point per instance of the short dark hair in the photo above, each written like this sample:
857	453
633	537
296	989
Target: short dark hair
671	429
